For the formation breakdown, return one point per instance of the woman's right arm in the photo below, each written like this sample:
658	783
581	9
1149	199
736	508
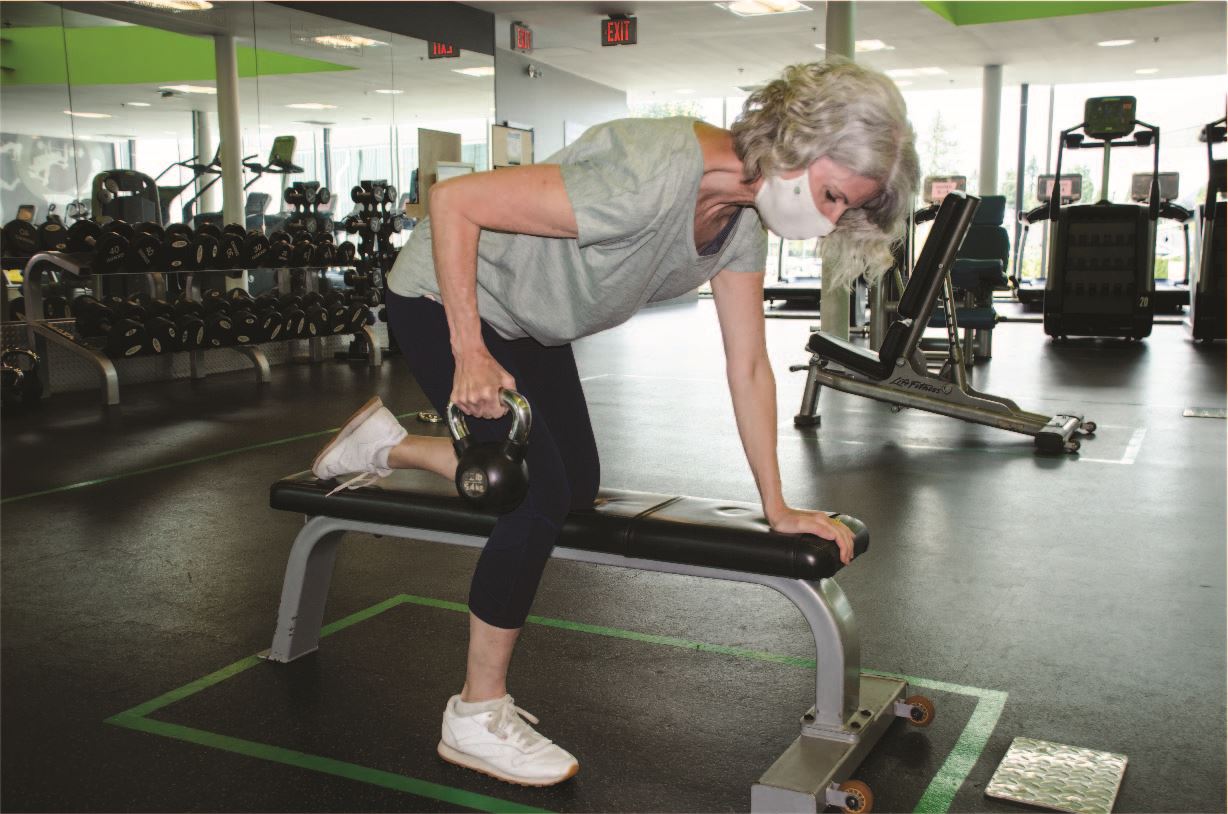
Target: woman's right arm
525	200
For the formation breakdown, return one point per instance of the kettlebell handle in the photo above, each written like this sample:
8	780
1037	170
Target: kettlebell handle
522	418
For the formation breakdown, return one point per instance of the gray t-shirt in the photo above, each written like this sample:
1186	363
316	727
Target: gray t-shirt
633	184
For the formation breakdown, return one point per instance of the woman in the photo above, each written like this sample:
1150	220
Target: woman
513	265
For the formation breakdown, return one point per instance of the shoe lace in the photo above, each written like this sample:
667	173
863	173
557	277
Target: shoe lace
357	482
509	722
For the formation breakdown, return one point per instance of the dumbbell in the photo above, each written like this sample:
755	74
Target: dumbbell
303	251
109	249
316	314
126	309
206	247
124	337
325	253
145	248
219	326
293	316
270	324
338	315
20	239
21	384
52	236
189	321
161	327
247	325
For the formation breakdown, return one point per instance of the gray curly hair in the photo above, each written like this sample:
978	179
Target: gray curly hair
856	117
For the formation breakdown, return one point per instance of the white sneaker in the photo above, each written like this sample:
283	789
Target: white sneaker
362	447
497	741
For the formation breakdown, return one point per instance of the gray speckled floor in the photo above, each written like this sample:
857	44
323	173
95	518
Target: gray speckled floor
1089	590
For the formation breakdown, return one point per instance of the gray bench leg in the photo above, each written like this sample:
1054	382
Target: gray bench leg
305	589
808	415
837	647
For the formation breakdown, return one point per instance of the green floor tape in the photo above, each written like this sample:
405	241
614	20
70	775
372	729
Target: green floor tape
936	799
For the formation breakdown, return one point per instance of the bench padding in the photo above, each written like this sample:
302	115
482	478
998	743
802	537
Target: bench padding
695	531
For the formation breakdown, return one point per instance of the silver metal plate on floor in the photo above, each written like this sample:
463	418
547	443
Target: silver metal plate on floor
1057	776
1205	412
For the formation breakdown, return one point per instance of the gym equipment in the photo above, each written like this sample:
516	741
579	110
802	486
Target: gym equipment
493	476
109	250
1169	296
20	239
898	374
697	537
167	194
1102	256
125	195
1031	292
1207	305
123	337
20	382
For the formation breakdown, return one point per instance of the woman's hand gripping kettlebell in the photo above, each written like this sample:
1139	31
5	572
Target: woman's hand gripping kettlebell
493	475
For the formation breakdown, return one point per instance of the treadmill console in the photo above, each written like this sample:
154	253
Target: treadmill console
936	187
1109	117
1071	191
1140	186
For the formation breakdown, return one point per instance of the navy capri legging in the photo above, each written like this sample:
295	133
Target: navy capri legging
564	471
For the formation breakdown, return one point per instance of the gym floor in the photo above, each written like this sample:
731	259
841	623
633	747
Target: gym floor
1078	599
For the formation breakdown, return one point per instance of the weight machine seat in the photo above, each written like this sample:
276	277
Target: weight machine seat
877	366
689	530
975	274
984	318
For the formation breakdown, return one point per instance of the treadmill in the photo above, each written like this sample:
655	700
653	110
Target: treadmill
1170	296
1031	291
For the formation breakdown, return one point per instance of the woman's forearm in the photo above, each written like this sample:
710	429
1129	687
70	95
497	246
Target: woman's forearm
754	405
454	241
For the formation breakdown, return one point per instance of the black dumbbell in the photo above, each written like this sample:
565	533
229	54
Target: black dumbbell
219	329
20	239
162	327
189	322
206	250
255	251
145	248
109	249
230	251
52	236
236	229
302	253
214	300
124	337
324	254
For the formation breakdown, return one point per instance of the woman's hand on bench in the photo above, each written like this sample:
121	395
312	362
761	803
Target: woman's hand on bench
801	521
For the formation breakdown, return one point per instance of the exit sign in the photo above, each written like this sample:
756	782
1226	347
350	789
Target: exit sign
442	50
522	37
618	31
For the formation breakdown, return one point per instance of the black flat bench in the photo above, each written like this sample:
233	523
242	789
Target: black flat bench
680	535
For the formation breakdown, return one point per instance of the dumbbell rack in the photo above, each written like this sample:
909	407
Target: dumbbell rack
41	332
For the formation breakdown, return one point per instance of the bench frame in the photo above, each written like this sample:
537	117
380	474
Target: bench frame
852	709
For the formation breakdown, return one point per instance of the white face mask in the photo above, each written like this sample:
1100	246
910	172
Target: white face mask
787	208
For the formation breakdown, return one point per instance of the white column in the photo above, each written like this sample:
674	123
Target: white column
204	144
991	120
228	127
834	306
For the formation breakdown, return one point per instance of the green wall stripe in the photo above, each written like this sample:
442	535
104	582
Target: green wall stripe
978	12
128	55
175	464
316	763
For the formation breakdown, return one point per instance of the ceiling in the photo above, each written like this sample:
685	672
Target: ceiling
431	90
704	48
696	46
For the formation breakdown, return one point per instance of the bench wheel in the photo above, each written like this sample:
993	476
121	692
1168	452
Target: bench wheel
1088	427
922	713
1073	445
858	799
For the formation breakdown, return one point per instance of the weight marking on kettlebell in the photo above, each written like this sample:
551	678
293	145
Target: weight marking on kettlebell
474	483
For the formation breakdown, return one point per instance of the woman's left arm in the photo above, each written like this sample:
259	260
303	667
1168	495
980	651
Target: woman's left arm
739	307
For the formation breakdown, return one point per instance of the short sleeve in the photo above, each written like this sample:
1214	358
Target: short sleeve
615	180
748	250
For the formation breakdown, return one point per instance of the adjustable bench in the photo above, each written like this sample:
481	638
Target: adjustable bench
677	535
898	373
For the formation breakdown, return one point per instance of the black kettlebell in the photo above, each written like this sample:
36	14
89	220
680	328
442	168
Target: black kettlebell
20	384
493	475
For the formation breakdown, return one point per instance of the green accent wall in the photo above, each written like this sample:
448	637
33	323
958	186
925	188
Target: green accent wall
978	12
128	55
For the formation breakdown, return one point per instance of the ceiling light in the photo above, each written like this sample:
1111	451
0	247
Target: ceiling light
81	115
312	106
484	71
191	89
757	8
863	46
136	104
176	5
1114	43
389	91
684	91
345	41
1148	70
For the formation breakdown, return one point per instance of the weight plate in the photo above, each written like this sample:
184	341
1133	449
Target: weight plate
53	237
